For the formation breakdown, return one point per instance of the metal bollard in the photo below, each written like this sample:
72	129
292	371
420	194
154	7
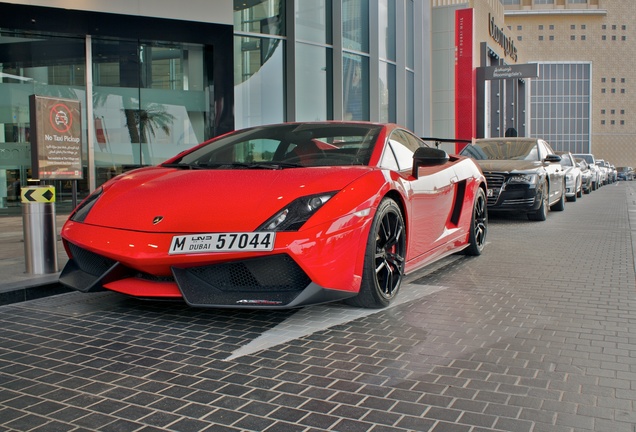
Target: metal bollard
40	233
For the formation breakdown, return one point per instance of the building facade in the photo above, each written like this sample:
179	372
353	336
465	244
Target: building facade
582	100
155	78
470	41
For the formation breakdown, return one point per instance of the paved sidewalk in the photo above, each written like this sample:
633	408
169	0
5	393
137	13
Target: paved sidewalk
15	283
538	334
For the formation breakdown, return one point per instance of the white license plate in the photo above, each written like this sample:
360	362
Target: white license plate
222	242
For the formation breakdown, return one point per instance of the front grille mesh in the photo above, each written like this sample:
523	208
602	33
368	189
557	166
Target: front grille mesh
89	262
494	181
278	272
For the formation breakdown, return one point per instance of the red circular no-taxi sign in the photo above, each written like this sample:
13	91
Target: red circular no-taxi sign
61	118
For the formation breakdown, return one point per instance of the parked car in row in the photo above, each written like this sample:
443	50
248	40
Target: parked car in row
523	175
573	180
597	178
625	173
605	171
586	175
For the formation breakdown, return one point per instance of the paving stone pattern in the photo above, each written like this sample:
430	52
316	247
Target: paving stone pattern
537	334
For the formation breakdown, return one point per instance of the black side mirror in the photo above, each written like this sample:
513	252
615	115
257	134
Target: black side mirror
428	156
551	158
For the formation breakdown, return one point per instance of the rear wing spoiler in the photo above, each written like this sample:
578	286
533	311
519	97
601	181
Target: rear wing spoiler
438	141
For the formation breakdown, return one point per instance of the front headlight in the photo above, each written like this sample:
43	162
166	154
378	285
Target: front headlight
294	215
523	178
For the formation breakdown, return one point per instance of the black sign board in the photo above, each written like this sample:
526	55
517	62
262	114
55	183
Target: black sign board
528	70
56	138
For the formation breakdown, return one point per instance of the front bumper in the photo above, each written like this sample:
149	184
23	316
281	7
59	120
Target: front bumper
274	281
320	265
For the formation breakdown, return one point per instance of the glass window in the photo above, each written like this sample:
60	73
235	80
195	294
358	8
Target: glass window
317	145
42	65
314	87
313	21
410	36
554	106
356	87
260	16
355	25
410	100
403	146
149	102
386	29
387	93
258	81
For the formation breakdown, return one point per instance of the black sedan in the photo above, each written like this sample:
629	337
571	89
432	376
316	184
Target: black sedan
523	175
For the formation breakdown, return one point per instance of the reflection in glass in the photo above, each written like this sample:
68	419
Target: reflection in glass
140	92
46	66
387	93
386	29
410	34
355	25
313	83
260	16
356	87
313	21
258	81
410	100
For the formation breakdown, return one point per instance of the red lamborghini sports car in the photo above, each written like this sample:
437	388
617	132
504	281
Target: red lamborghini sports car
279	216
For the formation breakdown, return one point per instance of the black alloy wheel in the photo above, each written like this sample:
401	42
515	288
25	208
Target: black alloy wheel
478	225
384	259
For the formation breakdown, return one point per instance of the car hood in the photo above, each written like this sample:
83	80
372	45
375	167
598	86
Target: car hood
209	200
508	166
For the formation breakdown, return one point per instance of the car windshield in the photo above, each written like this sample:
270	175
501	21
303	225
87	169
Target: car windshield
502	150
565	160
588	158
286	146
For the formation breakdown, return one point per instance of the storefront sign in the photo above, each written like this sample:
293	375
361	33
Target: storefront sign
506	42
528	70
465	101
56	138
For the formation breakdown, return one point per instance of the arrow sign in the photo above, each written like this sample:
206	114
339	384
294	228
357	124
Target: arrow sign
38	194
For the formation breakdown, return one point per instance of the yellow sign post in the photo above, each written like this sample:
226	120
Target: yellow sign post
38	194
40	232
